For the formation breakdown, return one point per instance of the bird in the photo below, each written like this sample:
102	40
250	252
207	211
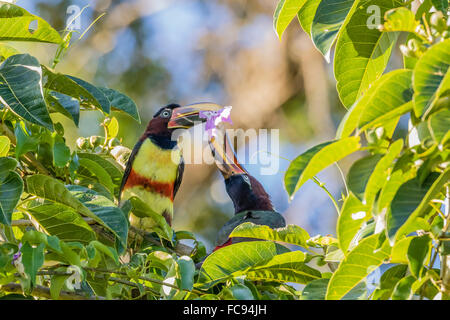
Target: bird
154	170
250	200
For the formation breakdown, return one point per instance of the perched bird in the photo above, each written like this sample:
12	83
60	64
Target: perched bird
155	167
251	202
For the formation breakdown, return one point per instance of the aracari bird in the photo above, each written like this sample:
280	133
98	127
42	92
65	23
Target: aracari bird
155	167
251	202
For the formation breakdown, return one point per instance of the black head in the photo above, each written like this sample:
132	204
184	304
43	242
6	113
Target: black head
247	193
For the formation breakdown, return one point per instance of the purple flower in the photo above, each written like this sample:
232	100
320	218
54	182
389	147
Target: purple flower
17	255
215	118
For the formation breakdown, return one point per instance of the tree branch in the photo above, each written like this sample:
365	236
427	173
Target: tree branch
44	292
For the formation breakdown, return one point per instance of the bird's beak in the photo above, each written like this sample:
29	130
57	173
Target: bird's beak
224	155
187	116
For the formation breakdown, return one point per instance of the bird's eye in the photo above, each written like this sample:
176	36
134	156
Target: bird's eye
165	114
246	179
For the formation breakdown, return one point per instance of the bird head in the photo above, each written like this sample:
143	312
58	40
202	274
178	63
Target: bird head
173	116
245	191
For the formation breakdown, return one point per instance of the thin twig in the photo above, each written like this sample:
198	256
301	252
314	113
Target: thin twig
44	292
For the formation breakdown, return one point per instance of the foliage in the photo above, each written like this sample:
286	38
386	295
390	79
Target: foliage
64	236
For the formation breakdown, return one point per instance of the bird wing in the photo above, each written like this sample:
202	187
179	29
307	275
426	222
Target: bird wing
129	166
179	177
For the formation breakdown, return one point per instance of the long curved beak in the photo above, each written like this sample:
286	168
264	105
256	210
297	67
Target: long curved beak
224	155
187	116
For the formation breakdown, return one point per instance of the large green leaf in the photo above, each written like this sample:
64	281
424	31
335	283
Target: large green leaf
107	163
64	104
95	92
284	13
353	215
311	162
380	172
291	234
362	53
97	171
328	20
285	267
388	281
385	95
431	78
63	84
439	124
306	14
411	201
104	209
50	189
25	142
4	146
359	174
15	26
418	251
359	263
236	258
11	188
32	259
119	101
63	222
7	51
21	89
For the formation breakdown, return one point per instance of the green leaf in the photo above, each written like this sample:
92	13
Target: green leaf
438	124
418	251
186	270
64	104
56	284
314	160
315	290
380	172
359	174
15	26
61	154
108	251
362	53
21	89
160	226
385	95
411	202
63	84
236	258
104	210
4	146
400	19
285	267
328	20
48	188
24	141
353	215
307	13
284	13
441	5
95	92
32	259
7	164
107	163
388	281
7	51
119	101
403	289
431	78
11	188
63	222
291	234
399	253
241	292
97	171
359	263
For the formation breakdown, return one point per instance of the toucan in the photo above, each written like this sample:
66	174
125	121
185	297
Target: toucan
251	202
155	167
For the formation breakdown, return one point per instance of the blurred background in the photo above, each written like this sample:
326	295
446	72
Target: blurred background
223	51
